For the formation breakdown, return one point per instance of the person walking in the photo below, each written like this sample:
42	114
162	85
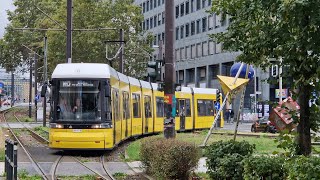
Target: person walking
231	116
227	115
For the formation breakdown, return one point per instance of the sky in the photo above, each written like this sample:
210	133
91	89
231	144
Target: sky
4	5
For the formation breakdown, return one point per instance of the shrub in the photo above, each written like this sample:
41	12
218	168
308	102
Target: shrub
224	159
304	168
264	167
168	158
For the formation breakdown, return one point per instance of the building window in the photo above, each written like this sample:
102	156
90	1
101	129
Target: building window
210	22
144	7
159	19
193	51
163	38
155	3
155	40
182	9
148	5
204	24
151	23
211	47
177	54
198	26
177	33
187	7
198	4
192	5
209	2
147	24
182	53
199	50
177	11
187	30
188	52
159	38
218	48
144	25
151	4
218	20
162	1
203	3
205	48
155	21
223	19
163	17
181	32
193	28
159	2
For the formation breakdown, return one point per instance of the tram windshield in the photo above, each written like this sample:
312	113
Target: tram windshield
78	101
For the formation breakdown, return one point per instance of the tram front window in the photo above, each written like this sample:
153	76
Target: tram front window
78	101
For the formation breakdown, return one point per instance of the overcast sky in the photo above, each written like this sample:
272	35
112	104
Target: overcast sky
4	5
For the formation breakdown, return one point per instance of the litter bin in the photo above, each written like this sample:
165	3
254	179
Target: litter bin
169	128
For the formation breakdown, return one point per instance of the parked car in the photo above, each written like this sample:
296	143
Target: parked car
263	125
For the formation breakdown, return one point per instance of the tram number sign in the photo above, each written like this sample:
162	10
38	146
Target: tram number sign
168	98
77	130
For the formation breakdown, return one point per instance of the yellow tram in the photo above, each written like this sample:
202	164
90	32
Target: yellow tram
95	107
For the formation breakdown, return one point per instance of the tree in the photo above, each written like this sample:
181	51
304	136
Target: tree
87	46
264	29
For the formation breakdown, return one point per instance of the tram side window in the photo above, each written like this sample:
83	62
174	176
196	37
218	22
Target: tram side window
205	108
188	108
125	104
160	106
136	105
116	107
147	106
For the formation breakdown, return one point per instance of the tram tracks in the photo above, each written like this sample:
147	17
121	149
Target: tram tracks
52	175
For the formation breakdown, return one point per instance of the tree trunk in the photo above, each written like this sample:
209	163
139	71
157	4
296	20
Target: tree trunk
304	137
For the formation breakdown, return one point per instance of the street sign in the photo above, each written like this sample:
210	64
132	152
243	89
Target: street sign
37	97
217	105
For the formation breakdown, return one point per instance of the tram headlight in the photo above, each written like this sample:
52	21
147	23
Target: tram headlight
55	125
96	126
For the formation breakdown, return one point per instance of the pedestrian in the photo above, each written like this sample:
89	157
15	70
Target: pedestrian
227	115
231	115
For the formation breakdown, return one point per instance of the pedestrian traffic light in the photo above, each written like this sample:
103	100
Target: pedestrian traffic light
156	74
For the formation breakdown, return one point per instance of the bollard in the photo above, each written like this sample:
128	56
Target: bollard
11	161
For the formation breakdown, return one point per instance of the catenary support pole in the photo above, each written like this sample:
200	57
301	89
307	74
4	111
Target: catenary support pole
35	86
69	31
30	88
12	88
45	81
170	73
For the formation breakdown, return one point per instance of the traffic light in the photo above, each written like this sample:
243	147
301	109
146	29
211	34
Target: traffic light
274	70
218	97
156	74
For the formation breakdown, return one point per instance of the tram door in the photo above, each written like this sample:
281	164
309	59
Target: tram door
182	111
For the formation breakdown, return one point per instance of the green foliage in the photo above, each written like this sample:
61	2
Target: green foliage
168	158
88	46
264	167
133	151
119	175
2	155
304	168
272	29
24	175
287	142
225	159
